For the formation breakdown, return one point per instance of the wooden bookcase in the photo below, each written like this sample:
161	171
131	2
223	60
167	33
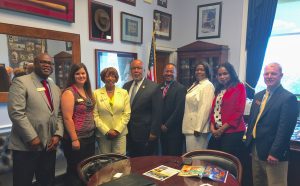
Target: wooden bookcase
190	55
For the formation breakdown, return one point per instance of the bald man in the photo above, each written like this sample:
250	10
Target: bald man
34	109
146	106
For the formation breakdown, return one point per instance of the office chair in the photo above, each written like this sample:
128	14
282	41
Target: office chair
222	159
89	166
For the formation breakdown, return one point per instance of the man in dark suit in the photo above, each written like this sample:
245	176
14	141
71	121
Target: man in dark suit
272	120
145	119
173	94
34	109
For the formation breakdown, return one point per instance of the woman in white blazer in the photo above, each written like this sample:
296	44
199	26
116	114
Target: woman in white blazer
198	102
111	114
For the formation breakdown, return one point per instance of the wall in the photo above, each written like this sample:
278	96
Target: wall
184	17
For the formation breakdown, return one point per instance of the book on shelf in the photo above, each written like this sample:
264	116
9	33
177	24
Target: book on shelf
204	171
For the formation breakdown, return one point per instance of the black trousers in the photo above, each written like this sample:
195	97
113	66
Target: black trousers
29	163
87	149
140	148
172	146
228	142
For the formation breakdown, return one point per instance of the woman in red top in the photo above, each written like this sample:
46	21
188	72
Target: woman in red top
227	123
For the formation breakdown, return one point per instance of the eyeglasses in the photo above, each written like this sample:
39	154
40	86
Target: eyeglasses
46	63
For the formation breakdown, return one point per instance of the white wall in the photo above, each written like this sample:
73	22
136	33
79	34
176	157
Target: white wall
184	17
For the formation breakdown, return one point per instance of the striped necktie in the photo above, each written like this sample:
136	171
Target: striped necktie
262	107
133	92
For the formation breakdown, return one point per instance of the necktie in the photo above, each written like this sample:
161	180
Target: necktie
262	107
133	92
165	90
47	92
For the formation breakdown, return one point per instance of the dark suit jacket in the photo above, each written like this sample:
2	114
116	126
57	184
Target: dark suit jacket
145	111
276	124
173	109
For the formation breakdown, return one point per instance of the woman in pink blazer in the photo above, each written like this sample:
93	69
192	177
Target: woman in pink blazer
227	123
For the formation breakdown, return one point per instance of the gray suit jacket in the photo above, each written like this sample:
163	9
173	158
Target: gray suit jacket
30	112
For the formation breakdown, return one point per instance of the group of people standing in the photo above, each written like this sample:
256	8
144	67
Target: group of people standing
134	119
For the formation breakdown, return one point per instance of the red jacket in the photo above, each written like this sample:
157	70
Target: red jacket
232	108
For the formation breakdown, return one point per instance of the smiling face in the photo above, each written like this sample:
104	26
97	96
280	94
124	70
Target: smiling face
200	73
80	76
43	66
136	69
272	75
223	76
169	73
110	80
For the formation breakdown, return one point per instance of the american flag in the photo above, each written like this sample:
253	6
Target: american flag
151	75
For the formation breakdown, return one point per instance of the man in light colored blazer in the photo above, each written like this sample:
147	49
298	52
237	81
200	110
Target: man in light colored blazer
146	112
34	109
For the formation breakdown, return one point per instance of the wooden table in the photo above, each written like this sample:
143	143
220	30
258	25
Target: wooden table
141	165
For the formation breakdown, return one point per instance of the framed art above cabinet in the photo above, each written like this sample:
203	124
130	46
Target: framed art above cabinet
190	55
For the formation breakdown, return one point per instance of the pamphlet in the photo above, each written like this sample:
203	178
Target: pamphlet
208	171
161	172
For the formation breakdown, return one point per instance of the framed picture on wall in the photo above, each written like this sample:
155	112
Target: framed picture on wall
209	20
60	9
100	21
163	3
162	25
131	28
119	60
131	2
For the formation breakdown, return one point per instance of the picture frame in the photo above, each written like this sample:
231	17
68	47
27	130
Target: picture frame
130	2
100	21
119	60
163	3
131	28
162	25
63	10
209	20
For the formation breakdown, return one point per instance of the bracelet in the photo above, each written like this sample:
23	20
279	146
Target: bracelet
75	140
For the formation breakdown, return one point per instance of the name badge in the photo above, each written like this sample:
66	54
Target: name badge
40	89
80	100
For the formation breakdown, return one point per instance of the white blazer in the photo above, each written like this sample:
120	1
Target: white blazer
198	103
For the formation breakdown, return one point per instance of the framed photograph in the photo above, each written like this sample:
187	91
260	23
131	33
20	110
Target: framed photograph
131	28
131	2
119	60
100	21
163	3
209	20
68	46
59	9
162	25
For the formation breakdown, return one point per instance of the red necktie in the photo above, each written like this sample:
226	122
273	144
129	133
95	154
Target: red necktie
165	90
47	92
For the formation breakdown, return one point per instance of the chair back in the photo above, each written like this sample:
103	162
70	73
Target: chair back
89	166
222	159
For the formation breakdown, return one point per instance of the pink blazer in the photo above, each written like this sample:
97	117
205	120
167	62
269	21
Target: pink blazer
232	108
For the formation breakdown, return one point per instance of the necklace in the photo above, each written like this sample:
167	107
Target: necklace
109	91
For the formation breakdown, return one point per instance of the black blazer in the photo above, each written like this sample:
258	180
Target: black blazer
145	111
276	124
173	108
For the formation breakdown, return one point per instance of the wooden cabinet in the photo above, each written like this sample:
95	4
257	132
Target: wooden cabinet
63	61
190	55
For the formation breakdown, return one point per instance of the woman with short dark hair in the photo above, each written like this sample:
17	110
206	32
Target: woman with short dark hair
112	113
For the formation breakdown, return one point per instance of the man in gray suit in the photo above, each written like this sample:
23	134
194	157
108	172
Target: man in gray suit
146	109
34	109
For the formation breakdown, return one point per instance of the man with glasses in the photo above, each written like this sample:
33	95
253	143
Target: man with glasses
145	119
34	109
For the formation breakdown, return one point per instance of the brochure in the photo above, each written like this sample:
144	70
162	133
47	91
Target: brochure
161	172
204	171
